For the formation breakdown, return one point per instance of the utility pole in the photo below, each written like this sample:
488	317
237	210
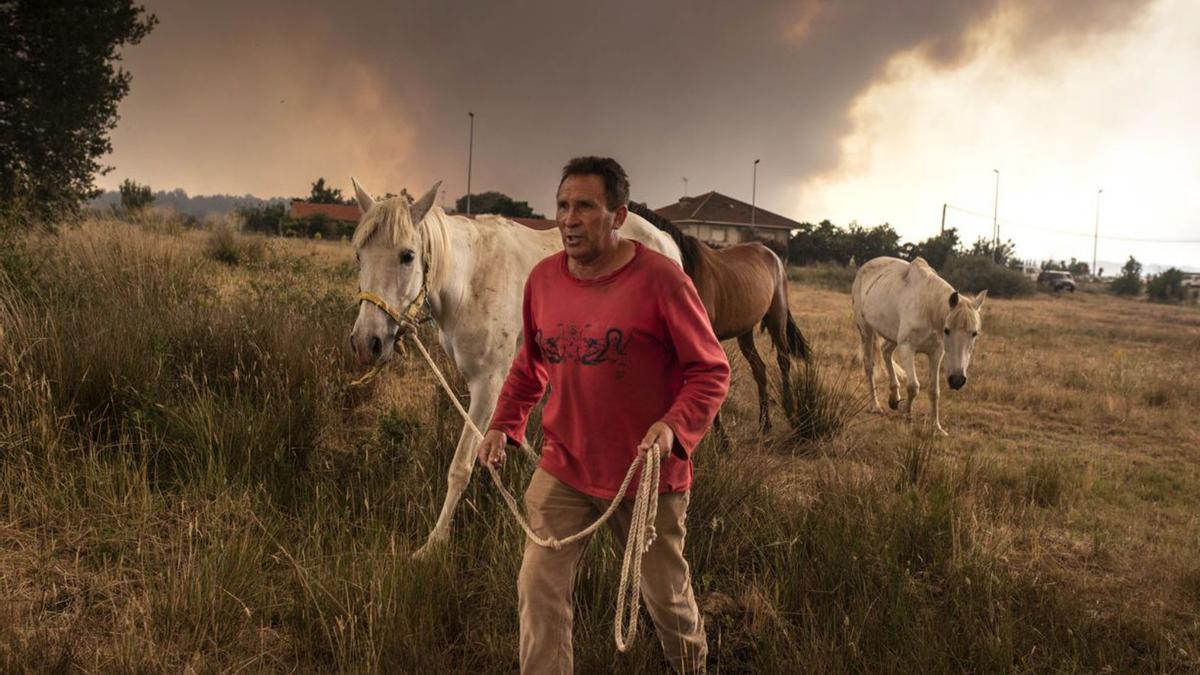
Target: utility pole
685	186
996	220
754	192
1096	235
943	230
470	159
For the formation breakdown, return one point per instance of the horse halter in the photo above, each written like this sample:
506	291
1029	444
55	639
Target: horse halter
418	312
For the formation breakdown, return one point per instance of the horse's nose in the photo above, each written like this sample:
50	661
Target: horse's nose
957	381
376	347
353	348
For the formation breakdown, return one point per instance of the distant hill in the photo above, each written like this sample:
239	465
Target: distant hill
198	206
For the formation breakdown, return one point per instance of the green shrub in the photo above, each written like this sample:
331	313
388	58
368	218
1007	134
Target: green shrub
972	274
1166	287
1130	281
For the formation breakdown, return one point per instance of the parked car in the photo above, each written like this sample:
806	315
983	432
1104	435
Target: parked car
1057	280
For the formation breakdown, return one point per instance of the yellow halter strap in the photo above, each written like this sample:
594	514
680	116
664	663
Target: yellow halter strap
416	313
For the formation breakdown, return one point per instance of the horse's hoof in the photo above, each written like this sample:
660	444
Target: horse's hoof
894	403
939	431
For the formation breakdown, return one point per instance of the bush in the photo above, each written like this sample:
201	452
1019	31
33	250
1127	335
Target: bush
1167	287
972	274
1130	281
227	246
265	219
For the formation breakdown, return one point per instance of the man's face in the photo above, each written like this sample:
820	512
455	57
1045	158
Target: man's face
588	227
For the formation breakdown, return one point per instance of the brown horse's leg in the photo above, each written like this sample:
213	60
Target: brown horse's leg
759	369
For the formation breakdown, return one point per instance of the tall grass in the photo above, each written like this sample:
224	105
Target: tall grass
188	483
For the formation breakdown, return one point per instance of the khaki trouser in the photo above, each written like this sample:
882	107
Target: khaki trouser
547	577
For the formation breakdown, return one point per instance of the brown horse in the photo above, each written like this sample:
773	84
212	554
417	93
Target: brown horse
741	286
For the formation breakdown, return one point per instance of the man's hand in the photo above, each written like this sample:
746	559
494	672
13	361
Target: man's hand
661	434
491	448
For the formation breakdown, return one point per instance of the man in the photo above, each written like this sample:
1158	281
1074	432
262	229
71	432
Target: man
623	340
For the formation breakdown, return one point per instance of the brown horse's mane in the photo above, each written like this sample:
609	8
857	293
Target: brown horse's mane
689	246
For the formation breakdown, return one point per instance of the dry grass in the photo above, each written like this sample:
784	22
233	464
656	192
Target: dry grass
187	484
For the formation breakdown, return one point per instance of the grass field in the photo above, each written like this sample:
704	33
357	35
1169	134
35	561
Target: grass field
188	483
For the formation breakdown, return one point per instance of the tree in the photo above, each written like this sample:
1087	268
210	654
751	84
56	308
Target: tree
1130	281
1001	254
1167	286
321	194
135	197
497	203
935	250
266	218
61	82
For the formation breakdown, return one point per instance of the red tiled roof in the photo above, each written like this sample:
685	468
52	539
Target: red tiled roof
349	213
714	207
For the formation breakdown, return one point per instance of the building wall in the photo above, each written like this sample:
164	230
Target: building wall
727	235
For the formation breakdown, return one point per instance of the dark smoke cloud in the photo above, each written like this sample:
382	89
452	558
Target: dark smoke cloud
265	98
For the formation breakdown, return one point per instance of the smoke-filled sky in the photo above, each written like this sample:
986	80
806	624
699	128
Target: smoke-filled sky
858	109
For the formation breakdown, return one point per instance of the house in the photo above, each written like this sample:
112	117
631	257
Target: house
721	221
341	213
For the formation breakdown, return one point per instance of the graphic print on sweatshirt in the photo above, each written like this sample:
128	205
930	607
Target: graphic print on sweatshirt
584	346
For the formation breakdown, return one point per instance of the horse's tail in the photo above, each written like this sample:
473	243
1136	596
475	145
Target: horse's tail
796	344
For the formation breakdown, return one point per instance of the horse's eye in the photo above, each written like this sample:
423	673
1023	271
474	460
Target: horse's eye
946	331
407	257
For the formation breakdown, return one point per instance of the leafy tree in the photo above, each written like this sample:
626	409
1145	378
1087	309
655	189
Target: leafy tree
1167	286
935	250
1001	254
497	203
265	218
1130	281
321	194
135	197
1078	268
61	84
825	242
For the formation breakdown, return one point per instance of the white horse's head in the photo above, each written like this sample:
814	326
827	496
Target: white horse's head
399	256
958	335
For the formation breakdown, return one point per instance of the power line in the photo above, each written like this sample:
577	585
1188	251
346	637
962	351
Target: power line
1068	233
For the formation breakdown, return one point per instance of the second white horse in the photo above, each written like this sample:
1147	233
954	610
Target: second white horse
914	311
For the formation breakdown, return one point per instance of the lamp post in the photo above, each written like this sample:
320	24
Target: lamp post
996	219
1096	235
754	192
470	159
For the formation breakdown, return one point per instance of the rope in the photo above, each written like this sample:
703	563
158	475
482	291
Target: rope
641	526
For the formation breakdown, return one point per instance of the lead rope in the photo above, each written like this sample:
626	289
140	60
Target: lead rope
641	526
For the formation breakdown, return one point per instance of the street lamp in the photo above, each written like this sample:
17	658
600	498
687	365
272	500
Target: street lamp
754	192
1096	235
470	159
996	219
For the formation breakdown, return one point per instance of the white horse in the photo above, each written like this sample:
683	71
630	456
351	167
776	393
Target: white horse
914	311
467	275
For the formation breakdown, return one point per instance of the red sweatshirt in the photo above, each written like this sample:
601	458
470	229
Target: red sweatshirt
620	352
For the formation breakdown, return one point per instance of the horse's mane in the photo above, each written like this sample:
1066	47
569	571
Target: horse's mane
689	246
390	223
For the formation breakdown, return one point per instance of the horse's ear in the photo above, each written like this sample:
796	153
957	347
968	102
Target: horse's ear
365	202
419	209
954	300
979	300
